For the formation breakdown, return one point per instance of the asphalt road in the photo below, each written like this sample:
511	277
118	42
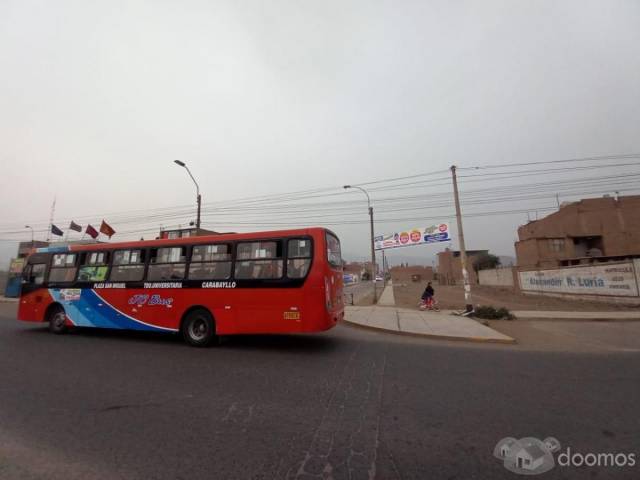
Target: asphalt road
347	403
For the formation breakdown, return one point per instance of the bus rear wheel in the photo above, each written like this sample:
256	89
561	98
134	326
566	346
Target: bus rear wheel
198	328
57	321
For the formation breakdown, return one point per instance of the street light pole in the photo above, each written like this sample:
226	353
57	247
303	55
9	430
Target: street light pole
373	250
198	197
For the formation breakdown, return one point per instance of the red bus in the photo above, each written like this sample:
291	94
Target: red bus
267	282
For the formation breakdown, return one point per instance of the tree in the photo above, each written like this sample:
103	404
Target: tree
485	261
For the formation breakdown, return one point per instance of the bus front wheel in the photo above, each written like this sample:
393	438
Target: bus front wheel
198	328
57	320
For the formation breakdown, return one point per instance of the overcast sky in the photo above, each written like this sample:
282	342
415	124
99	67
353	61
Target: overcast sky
98	98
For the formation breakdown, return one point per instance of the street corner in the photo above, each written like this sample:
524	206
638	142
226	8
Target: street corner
431	325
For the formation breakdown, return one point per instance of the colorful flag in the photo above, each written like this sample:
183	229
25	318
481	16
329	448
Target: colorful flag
92	232
56	231
75	227
106	229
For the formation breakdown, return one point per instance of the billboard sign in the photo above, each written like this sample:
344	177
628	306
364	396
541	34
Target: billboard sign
348	278
414	236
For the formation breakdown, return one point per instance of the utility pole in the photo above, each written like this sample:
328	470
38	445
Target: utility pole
384	268
373	257
373	250
463	250
198	217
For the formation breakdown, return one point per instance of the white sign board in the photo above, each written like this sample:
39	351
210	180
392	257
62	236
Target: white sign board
616	279
414	236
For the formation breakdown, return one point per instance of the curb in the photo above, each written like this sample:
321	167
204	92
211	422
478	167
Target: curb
569	319
538	319
433	336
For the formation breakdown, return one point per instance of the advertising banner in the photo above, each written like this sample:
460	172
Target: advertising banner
616	279
414	236
16	266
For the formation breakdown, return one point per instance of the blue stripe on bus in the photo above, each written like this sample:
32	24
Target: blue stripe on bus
52	249
92	311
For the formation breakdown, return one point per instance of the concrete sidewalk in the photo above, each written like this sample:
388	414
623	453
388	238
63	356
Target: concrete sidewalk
387	299
422	323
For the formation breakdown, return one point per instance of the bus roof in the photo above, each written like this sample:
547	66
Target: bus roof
203	239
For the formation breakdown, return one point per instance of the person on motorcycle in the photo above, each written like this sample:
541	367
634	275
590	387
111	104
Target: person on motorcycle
427	297
428	292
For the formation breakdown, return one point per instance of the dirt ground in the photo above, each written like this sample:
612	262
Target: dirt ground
407	295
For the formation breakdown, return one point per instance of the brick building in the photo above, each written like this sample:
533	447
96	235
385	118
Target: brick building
450	266
24	248
409	273
583	232
353	268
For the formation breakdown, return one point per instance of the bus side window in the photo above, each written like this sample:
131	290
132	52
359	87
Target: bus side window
167	263
128	266
63	268
298	257
210	262
259	260
94	267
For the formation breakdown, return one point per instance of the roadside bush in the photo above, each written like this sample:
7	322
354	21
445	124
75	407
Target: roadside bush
492	313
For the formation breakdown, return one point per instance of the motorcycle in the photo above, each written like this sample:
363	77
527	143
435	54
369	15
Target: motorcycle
428	304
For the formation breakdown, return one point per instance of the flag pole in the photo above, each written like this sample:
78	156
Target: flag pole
53	211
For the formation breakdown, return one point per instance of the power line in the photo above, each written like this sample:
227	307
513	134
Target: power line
568	160
482	196
302	200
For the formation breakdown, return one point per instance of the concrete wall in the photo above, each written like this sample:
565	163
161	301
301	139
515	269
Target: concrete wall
614	282
636	267
499	277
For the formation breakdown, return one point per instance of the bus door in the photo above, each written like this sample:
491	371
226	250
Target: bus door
34	298
259	267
